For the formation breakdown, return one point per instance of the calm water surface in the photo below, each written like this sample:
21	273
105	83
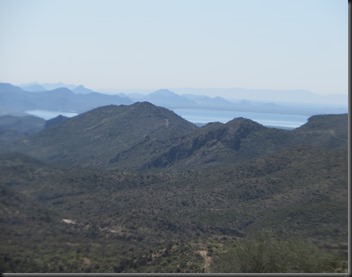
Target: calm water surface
267	119
205	116
49	114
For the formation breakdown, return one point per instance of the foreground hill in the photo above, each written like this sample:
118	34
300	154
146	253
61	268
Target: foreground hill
95	137
94	220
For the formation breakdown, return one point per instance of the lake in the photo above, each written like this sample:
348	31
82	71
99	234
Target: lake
49	114
205	116
223	116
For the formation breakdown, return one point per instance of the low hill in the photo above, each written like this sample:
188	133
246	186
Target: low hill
330	131
56	120
13	128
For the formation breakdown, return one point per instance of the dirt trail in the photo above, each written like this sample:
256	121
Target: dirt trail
207	259
332	132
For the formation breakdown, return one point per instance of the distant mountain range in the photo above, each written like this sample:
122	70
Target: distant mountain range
282	97
14	99
78	99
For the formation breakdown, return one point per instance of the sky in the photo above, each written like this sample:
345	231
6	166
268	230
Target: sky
154	44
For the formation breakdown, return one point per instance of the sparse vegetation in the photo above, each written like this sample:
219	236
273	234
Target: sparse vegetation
263	253
202	219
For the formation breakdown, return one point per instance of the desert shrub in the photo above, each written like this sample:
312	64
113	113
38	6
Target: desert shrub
262	253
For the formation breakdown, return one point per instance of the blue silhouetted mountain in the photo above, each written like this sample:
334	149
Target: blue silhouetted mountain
83	90
51	86
80	99
33	87
168	99
14	99
207	102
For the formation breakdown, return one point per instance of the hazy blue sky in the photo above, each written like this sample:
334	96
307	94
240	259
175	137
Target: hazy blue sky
152	44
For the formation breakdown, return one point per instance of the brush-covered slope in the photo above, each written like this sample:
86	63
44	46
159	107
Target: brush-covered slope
242	139
329	131
95	137
234	142
144	136
301	190
93	220
214	144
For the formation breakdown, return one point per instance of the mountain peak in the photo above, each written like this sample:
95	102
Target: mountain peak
168	99
81	89
164	92
143	104
9	87
61	92
241	121
105	133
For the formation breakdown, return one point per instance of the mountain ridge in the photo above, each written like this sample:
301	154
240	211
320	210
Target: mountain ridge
136	188
85	99
145	136
14	99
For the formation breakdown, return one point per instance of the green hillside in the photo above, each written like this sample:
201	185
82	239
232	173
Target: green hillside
139	189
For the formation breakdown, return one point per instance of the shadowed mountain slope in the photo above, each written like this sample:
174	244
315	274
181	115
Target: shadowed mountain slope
234	142
214	144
